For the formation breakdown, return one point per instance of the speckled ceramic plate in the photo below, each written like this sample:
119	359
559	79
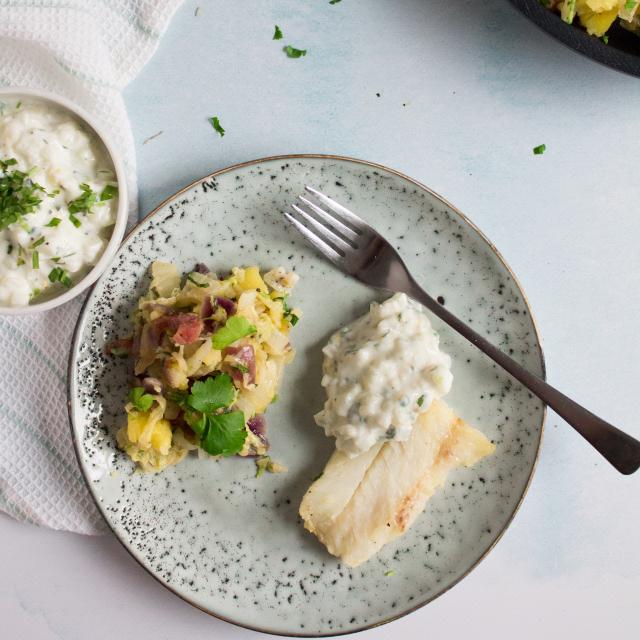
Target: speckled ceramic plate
233	545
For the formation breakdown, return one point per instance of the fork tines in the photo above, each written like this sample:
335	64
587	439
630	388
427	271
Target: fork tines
331	228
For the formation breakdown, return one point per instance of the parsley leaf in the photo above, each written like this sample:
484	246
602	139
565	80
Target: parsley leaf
235	328
224	434
19	195
539	150
109	192
84	202
292	52
215	123
140	400
212	394
277	34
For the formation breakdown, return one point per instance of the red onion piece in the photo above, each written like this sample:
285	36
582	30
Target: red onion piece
227	304
246	357
258	426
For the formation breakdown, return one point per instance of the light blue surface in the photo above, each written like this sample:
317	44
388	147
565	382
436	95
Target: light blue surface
482	87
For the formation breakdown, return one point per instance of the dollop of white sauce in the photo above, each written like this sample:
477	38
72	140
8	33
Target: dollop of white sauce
380	372
60	154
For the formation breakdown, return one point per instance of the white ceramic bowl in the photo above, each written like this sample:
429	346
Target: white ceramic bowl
121	215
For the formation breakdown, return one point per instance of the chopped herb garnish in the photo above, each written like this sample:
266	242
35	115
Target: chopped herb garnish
54	222
19	195
605	38
277	34
630	4
37	243
20	258
74	221
334	1
292	52
202	285
109	192
390	573
140	400
274	399
215	123
220	433
421	400
83	203
293	319
241	367
539	150
18	104
58	274
235	328
265	463
223	434
35	260
212	394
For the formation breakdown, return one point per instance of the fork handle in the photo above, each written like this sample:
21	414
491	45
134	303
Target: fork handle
618	447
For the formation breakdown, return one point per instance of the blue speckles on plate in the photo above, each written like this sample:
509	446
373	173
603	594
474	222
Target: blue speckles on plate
234	545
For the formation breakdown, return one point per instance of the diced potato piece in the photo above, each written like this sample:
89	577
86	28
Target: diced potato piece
596	24
161	436
136	422
598	6
252	279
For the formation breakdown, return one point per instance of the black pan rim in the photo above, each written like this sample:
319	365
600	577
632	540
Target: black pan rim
621	53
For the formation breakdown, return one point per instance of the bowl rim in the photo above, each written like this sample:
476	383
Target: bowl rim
491	246
123	201
578	40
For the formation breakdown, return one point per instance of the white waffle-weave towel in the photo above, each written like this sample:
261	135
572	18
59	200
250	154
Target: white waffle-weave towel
88	51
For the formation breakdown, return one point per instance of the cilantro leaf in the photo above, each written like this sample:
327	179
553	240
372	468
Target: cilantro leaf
292	52
215	123
277	34
235	328
212	394
225	434
84	202
140	400
539	150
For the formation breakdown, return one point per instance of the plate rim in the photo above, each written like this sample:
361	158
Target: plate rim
155	211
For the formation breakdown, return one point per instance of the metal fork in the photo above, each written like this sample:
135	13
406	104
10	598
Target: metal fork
360	251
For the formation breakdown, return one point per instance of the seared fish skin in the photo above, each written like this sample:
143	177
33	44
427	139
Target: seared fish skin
359	504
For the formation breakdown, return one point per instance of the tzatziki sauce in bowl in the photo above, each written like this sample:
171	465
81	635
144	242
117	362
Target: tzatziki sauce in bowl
63	201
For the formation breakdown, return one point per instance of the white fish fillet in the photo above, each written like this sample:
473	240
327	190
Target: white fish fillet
359	504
